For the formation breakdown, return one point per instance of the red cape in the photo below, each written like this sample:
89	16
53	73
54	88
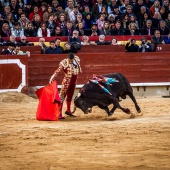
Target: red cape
49	102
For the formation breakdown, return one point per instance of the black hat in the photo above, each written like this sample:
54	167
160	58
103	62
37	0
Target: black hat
70	55
11	44
94	23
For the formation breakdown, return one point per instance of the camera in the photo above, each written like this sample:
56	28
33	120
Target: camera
143	42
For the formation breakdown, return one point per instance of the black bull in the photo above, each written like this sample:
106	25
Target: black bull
92	95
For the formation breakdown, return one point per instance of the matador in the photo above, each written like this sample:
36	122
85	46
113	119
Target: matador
71	68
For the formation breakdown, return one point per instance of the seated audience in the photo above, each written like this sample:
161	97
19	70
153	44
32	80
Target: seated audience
29	30
101	41
105	30
57	44
9	49
23	42
42	44
5	30
167	38
17	51
69	48
56	32
157	38
2	42
52	49
131	46
74	40
85	41
145	46
115	42
17	30
12	39
43	31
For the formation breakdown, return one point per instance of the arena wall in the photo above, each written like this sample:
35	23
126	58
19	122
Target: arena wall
148	73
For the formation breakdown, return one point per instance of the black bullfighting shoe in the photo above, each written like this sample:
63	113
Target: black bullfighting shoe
69	114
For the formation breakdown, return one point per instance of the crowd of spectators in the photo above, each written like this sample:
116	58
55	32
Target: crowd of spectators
44	18
74	18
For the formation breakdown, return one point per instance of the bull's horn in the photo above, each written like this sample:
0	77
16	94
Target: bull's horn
78	95
74	109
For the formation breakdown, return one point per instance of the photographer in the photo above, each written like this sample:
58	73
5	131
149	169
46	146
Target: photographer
131	46
145	46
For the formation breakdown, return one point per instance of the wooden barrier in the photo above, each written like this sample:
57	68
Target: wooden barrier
101	49
162	47
14	73
151	67
32	49
137	67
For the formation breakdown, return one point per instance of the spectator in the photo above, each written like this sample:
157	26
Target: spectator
85	41
62	21
17	51
23	20
7	10
148	3
123	6
131	46
9	49
111	6
17	30
125	21
137	6
129	10
74	40
167	38
47	13
148	29
9	19
116	12
29	30
70	6
42	45
14	6
100	21
167	22
80	29
27	8
143	22
145	46
86	11
17	15
23	42
43	31
36	22
162	28
51	24
97	9
68	31
115	42
166	5
112	21
73	14
35	11
105	30
60	11
132	30
94	30
155	8
57	44
5	32
155	20
88	23
101	41
79	18
52	49
12	39
157	38
56	32
69	48
117	30
163	13
132	19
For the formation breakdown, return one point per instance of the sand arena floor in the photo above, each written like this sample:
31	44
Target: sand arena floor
91	141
